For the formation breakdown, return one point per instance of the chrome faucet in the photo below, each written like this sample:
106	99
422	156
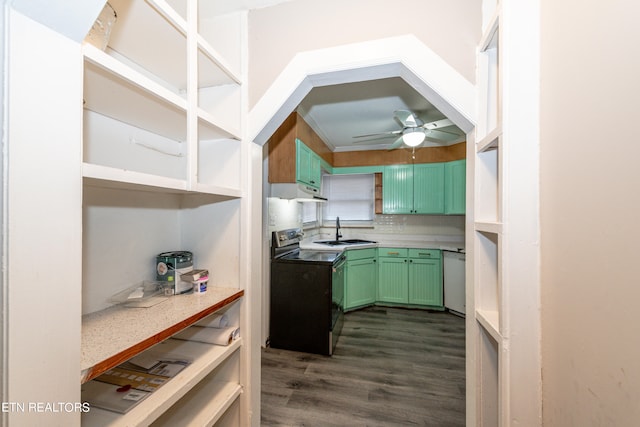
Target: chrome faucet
338	235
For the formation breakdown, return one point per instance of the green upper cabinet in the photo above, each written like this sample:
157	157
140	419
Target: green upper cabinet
308	165
397	189
455	187
413	189
428	188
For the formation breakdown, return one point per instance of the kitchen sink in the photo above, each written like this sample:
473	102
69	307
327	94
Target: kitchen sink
344	242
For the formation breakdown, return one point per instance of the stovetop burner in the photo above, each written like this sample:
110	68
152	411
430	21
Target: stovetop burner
311	256
285	247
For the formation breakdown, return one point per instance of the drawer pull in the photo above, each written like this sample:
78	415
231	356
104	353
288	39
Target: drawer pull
424	254
393	253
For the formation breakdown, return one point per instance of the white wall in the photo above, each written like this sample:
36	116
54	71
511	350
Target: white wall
283	214
123	231
41	229
2	189
589	213
451	29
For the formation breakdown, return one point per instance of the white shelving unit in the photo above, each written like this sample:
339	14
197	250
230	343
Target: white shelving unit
504	387
206	388
162	161
488	326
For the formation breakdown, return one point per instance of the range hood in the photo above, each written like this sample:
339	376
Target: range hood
299	192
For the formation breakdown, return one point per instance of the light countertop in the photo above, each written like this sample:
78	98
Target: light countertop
436	242
116	334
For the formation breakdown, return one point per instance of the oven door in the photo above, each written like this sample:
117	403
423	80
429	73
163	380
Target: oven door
337	299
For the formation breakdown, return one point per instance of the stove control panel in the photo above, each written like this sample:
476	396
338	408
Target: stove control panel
287	237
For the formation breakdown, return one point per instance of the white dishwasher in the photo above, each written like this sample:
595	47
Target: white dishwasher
454	278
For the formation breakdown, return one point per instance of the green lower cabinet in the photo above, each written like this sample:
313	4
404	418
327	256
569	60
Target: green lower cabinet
412	277
361	283
425	282
361	278
392	280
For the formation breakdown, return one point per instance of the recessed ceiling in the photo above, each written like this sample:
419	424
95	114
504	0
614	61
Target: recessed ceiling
337	113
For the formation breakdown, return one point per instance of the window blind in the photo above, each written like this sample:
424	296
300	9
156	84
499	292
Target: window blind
351	197
309	213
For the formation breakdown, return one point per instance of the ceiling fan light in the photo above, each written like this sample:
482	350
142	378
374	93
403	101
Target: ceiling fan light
413	137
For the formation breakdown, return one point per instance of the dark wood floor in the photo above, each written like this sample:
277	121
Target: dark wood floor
390	367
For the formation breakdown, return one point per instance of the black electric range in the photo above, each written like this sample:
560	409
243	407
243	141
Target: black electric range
307	295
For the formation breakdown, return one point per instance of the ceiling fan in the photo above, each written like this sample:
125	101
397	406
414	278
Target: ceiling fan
414	131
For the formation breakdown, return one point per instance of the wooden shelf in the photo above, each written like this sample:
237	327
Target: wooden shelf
200	409
107	177
489	35
117	91
488	227
216	190
490	321
491	141
116	334
218	396
145	34
213	69
104	176
210	128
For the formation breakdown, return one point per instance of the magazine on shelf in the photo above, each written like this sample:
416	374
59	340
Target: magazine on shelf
123	387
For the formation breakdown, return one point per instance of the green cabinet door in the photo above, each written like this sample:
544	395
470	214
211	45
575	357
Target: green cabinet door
361	283
413	189
425	282
397	189
428	188
455	187
315	171
308	165
392	280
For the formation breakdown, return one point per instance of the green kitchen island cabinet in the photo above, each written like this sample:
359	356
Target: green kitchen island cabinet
413	189
361	278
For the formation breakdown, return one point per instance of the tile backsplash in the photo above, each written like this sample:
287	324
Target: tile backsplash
288	214
283	214
420	224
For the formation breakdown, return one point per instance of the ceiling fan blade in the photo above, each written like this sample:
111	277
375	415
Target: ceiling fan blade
394	132
377	138
444	136
396	144
406	118
438	124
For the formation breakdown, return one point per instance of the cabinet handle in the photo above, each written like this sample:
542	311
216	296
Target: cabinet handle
393	253
405	260
312	182
374	260
424	254
410	260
